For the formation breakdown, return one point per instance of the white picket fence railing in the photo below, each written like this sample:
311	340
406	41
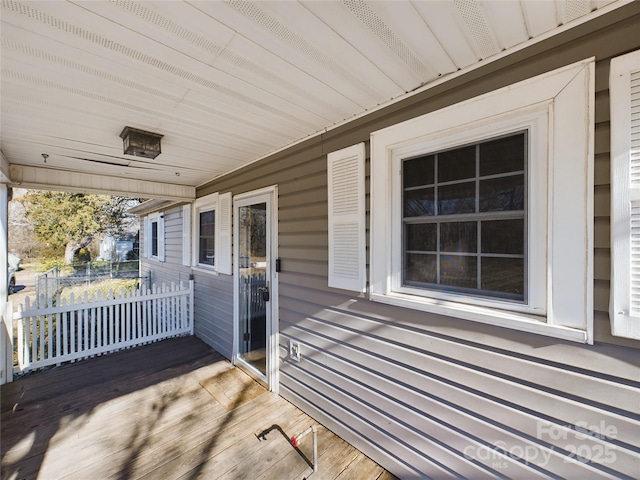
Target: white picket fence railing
89	326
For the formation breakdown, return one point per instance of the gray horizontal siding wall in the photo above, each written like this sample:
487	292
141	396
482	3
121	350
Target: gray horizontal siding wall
213	300
171	270
435	396
213	295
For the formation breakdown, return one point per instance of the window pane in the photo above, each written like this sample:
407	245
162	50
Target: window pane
503	236
419	202
457	164
421	237
207	237
502	155
207	224
459	237
502	194
421	268
458	198
505	275
154	239
453	255
459	271
206	251
207	219
418	171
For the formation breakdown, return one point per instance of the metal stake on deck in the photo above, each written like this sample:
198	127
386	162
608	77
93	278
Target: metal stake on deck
295	441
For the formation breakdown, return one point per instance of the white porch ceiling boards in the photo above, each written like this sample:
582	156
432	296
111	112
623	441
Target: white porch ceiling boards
227	83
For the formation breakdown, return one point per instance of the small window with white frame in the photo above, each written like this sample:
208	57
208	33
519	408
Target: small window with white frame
484	210
204	232
211	241
206	237
155	236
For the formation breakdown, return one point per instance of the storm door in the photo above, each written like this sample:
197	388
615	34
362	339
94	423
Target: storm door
256	332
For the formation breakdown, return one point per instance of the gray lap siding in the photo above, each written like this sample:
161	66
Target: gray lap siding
428	395
213	294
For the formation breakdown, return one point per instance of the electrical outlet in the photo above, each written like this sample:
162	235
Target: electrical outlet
294	351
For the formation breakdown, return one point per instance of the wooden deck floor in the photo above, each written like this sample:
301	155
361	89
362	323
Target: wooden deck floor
174	409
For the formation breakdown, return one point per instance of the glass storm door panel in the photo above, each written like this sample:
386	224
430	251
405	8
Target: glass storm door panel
253	291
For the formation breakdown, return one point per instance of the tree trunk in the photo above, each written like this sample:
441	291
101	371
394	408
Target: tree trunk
72	248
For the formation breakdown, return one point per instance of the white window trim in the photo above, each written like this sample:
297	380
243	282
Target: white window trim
203	204
535	121
561	304
625	199
151	218
221	204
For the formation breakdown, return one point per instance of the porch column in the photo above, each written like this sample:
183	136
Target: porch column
4	242
6	360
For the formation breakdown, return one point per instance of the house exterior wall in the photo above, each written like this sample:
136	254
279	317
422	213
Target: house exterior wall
213	295
171	270
428	395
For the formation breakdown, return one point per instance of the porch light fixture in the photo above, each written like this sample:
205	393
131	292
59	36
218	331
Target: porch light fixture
140	143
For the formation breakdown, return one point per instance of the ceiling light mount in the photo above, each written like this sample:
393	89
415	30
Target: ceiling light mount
140	143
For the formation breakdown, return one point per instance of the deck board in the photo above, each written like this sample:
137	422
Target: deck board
171	410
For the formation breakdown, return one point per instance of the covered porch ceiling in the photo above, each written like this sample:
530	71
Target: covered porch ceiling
226	83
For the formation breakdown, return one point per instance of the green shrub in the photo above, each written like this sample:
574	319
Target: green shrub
49	263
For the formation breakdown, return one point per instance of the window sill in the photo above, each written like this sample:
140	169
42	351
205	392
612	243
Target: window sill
201	269
501	318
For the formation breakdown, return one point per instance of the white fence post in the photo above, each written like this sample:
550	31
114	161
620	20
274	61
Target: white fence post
190	316
6	343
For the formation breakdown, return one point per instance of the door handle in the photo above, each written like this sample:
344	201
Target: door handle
265	293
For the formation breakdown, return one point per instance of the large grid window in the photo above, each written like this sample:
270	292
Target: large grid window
483	210
464	219
206	250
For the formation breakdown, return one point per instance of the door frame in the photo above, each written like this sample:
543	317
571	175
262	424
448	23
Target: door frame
270	196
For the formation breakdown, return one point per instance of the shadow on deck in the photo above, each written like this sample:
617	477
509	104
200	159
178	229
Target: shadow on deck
173	409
